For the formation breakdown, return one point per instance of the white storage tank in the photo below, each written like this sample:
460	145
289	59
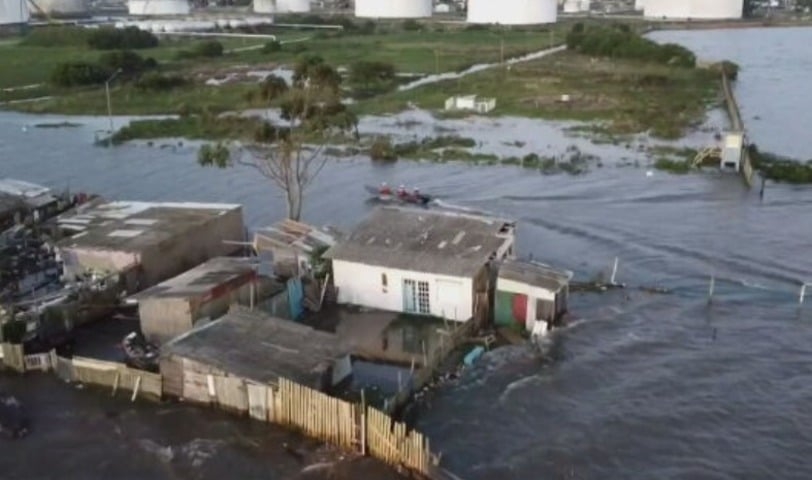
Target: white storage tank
512	12
292	6
13	12
393	8
694	9
639	5
576	6
264	6
158	7
60	8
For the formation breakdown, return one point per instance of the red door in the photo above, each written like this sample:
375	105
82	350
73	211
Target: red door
520	308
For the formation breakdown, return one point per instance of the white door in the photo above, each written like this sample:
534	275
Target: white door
449	298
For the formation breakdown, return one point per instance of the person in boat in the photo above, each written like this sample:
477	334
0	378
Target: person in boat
384	189
416	194
401	191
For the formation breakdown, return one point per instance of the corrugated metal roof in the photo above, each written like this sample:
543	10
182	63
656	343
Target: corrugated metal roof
535	274
431	241
20	188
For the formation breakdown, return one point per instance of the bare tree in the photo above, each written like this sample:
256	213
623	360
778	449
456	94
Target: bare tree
291	155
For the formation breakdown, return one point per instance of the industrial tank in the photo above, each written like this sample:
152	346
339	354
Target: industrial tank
59	8
13	12
292	6
393	8
264	6
512	12
158	7
694	9
639	5
576	6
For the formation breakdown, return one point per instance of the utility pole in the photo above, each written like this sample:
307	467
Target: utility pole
109	104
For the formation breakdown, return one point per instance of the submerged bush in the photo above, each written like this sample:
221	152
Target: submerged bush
158	82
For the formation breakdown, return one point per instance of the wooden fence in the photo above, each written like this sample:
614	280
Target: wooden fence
313	413
117	376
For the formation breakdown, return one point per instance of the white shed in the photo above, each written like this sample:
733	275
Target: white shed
470	103
420	261
528	294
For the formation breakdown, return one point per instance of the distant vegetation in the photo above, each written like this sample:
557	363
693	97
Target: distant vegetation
206	49
370	78
130	38
780	169
158	82
74	74
56	37
81	73
621	42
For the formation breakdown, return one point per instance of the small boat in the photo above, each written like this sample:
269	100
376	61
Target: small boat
139	352
407	197
14	420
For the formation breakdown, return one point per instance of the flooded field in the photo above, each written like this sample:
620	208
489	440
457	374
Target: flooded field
655	386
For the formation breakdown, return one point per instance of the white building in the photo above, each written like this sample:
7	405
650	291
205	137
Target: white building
158	7
640	5
264	6
694	9
13	12
471	103
423	262
530	295
513	12
292	6
393	8
60	8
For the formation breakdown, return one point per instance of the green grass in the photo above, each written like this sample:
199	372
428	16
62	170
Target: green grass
191	127
629	96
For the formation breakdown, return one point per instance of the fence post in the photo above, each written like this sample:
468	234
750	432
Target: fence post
711	288
614	272
425	355
136	388
115	384
363	424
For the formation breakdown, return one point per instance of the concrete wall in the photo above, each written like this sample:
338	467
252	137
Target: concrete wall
193	247
162	319
77	260
358	284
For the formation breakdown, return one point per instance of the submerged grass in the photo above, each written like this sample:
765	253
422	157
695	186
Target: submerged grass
628	96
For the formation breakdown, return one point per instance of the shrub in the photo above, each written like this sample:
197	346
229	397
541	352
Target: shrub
369	78
207	49
71	74
57	37
128	61
130	38
382	150
158	82
272	46
621	42
412	25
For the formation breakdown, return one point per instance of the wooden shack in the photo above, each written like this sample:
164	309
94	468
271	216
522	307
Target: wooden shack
250	347
205	292
528	293
291	245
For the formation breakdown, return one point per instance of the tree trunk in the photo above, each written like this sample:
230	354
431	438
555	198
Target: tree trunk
294	200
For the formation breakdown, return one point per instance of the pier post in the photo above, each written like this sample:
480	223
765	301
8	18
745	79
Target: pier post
136	388
802	294
614	272
363	424
711	288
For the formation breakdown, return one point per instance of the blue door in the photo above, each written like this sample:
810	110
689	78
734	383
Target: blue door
295	298
409	296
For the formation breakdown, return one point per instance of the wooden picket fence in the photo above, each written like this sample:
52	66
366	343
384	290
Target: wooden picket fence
390	442
313	413
90	371
317	415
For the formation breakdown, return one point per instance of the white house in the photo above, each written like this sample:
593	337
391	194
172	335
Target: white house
530	295
470	102
425	262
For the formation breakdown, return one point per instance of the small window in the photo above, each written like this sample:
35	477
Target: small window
384	282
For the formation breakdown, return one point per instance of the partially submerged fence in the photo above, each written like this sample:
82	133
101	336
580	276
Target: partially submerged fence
116	376
351	426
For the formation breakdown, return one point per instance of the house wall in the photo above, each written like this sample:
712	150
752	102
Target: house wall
77	260
192	247
359	284
504	311
163	318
